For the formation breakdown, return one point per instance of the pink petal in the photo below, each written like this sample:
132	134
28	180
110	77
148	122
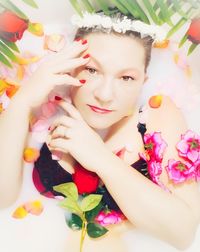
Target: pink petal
182	146
40	125
48	109
193	155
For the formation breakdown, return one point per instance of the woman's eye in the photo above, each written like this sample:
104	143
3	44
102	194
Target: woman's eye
127	78
91	70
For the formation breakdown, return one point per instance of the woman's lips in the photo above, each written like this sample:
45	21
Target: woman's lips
99	110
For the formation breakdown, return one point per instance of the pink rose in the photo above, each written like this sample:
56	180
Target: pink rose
179	171
189	147
105	218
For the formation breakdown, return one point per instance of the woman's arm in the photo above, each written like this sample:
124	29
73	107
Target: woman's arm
172	217
14	123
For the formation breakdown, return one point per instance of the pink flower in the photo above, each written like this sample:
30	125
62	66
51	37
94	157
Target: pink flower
197	172
155	146
154	169
105	218
179	171
189	147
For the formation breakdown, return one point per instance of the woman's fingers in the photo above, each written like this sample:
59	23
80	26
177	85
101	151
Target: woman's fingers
71	110
65	66
64	120
74	49
61	132
60	79
71	51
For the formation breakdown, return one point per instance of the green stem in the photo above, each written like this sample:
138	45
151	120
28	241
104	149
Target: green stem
83	232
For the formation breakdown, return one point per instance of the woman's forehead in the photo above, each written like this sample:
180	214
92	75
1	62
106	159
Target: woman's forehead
120	51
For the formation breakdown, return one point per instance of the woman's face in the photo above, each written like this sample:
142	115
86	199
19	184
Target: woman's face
114	78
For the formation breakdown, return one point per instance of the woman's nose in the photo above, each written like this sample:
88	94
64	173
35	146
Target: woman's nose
104	92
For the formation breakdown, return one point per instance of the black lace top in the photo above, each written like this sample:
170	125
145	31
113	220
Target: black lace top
48	173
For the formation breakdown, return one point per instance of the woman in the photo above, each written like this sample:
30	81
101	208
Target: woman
106	72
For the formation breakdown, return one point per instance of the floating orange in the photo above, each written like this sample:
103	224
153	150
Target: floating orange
155	101
31	154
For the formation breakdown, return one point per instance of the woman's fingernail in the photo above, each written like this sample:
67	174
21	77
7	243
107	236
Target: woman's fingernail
78	39
82	81
84	42
58	98
86	56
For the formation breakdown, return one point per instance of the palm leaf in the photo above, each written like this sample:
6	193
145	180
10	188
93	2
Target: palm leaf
7	4
130	8
164	10
120	6
140	11
191	49
11	45
102	4
151	10
6	51
87	6
183	40
76	6
32	3
4	60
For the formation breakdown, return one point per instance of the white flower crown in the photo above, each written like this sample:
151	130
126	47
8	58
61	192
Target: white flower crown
120	25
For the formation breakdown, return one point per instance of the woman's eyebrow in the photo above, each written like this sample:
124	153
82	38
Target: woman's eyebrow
121	70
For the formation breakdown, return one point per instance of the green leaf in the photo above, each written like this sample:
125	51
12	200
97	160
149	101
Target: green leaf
130	8
32	3
71	205
120	6
95	230
76	6
88	6
176	27
6	51
151	11
183	40
75	222
90	202
141	14
164	10
191	49
7	4
12	45
67	189
103	6
90	215
4	60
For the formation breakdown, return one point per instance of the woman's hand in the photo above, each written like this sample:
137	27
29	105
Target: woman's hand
54	71
72	134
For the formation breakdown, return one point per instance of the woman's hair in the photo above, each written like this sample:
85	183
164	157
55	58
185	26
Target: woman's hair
146	41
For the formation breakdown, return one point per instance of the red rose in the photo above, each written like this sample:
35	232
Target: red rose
194	31
86	181
12	27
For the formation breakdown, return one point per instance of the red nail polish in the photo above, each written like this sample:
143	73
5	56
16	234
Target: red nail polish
77	39
86	56
82	81
84	42
58	98
49	128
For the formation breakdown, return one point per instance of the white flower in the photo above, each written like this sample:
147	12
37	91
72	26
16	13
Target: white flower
91	20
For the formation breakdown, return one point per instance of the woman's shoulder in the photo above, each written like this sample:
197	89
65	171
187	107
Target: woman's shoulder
164	115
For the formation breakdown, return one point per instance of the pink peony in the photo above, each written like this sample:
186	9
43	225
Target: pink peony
105	218
155	146
189	147
179	171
